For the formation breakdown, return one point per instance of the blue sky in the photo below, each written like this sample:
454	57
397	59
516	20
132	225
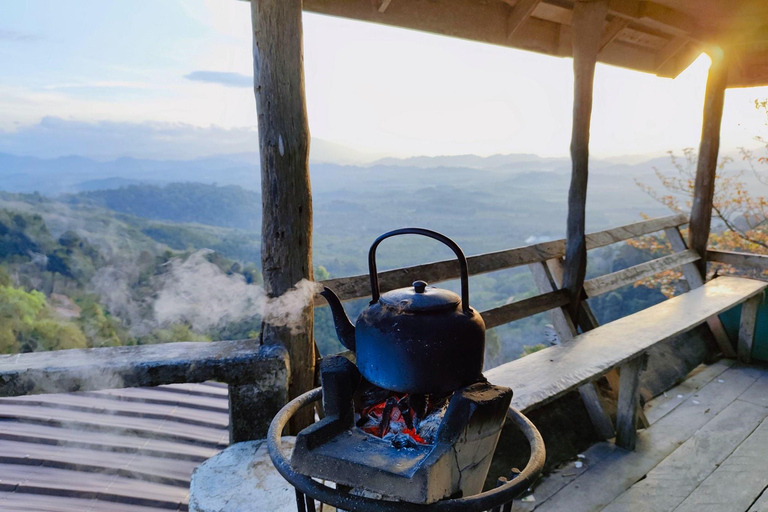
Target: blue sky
90	77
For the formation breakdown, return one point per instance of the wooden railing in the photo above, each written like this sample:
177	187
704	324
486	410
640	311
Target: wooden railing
349	288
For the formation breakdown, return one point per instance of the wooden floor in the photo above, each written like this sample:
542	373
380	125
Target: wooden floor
706	450
128	450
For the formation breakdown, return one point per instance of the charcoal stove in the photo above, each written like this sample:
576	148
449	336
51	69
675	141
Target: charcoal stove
413	424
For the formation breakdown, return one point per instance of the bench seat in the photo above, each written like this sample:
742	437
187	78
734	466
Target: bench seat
550	373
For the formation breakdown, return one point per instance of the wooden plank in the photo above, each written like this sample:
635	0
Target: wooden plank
668	484
706	168
286	199
25	502
521	12
552	372
629	401
761	505
739	259
612	29
561	320
348	288
144	365
588	21
737	483
598	487
558	478
674	45
615	280
524	308
747	327
695	279
566	331
670	399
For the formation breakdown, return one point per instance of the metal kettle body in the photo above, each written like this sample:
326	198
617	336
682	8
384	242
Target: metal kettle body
419	339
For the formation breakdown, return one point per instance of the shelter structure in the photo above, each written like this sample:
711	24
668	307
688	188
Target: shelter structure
587	389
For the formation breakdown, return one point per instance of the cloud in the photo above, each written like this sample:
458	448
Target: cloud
14	36
222	78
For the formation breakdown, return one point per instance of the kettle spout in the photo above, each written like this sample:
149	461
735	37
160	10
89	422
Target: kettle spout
344	328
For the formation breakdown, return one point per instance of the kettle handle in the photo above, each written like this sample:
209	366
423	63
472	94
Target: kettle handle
375	293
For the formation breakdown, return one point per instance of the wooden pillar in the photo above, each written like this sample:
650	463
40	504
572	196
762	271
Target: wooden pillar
588	21
704	188
286	235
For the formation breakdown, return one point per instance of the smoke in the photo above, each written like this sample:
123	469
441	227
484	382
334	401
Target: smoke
198	292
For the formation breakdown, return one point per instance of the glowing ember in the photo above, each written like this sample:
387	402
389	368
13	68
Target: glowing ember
401	418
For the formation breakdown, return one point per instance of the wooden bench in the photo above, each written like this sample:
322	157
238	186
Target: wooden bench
550	373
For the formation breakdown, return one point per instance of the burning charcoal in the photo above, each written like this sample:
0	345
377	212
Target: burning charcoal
405	411
372	395
427	428
386	416
401	441
418	404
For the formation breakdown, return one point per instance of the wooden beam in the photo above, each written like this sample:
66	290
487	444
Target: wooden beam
654	15
616	280
629	401
384	6
612	30
588	21
286	233
747	327
674	45
354	287
521	12
524	308
704	186
560	318
739	259
694	280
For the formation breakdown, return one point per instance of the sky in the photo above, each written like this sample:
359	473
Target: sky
173	79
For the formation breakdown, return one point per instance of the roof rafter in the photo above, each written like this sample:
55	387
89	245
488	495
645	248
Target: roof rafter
521	12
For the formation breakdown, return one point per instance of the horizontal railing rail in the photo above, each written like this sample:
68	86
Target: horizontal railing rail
739	259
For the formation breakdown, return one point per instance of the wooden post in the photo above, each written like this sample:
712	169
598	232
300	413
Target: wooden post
629	401
704	187
286	234
747	327
588	21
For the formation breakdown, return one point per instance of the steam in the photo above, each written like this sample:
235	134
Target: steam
198	292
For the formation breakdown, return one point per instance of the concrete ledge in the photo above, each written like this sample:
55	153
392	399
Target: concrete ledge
241	479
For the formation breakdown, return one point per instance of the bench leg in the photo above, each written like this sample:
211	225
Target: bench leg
597	414
747	327
629	401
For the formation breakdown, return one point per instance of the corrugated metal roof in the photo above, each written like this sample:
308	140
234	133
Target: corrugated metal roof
127	450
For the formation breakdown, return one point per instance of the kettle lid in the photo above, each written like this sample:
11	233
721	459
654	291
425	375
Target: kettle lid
420	298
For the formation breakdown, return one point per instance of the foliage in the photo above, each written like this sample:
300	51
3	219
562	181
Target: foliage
737	205
530	349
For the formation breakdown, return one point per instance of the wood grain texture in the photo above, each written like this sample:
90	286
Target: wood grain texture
587	24
547	374
286	228
694	279
706	167
739	259
616	280
524	308
64	371
738	482
629	401
349	288
668	484
747	327
546	283
598	487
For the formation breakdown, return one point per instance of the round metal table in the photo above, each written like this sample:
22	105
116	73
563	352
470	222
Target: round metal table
309	490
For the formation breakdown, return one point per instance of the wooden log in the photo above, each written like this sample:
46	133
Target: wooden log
706	168
66	371
588	21
739	259
615	280
286	233
694	279
348	288
747	327
524	308
629	401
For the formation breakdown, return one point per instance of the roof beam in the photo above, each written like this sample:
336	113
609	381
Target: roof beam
670	50
519	14
653	15
612	30
384	5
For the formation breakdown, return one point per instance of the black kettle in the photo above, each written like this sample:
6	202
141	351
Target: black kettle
419	339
